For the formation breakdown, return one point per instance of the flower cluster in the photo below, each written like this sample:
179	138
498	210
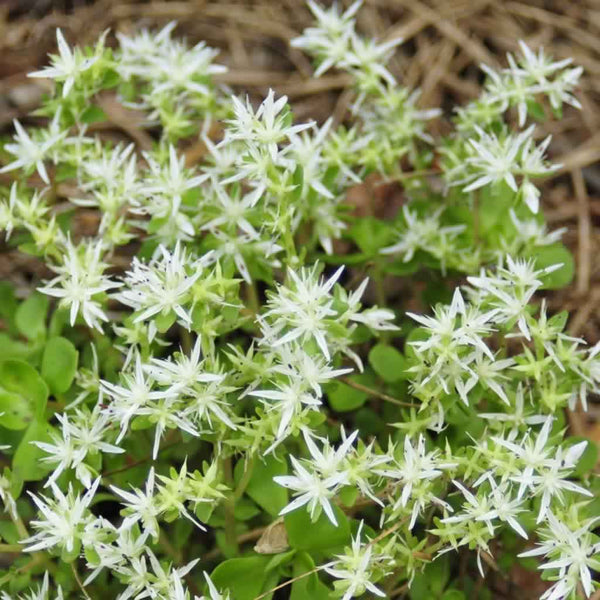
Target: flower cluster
204	362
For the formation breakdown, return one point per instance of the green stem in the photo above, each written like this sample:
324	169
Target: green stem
169	549
229	505
16	519
38	558
476	220
245	480
288	238
379	287
186	340
11	548
252	296
79	583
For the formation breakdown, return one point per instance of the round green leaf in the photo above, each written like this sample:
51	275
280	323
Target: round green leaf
555	254
371	234
348	495
343	398
165	321
93	114
400	268
59	364
388	363
262	489
243	577
15	411
432	581
30	317
26	462
23	394
9	348
245	509
309	586
303	534
8	301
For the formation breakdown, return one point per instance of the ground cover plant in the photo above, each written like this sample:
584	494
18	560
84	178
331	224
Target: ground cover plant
212	396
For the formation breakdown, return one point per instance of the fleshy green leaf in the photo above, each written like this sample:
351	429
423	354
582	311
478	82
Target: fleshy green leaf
343	398
388	363
432	581
348	495
243	577
245	509
15	411
30	317
303	534
371	234
59	364
555	254
26	460
261	488
93	114
8	302
23	394
9	348
309	586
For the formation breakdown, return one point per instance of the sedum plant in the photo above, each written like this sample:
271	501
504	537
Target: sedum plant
215	392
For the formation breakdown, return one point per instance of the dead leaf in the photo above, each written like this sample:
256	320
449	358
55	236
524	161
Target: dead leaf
274	539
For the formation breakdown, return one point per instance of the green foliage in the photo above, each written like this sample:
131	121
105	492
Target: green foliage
30	316
312	357
245	577
556	254
308	586
59	364
432	582
388	363
305	533
26	463
370	235
344	398
23	394
261	487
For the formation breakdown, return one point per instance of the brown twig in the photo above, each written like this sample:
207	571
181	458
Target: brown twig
584	231
376	393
